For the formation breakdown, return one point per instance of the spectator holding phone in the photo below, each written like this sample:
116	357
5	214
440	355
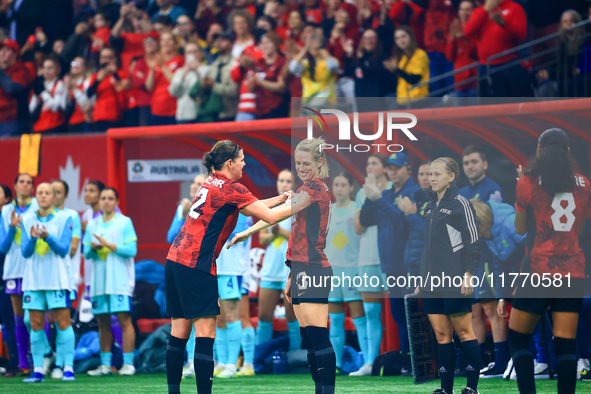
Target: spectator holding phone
105	87
183	80
129	32
159	77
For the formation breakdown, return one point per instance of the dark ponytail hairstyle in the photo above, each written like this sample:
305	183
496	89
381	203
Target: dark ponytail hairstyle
553	165
7	191
221	152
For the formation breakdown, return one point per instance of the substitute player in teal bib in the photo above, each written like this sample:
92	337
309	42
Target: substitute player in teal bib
342	250
46	235
14	263
111	243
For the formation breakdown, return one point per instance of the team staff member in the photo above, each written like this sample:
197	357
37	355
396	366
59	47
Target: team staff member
369	264
14	262
485	305
46	235
342	250
274	274
560	201
110	243
191	267
451	247
306	258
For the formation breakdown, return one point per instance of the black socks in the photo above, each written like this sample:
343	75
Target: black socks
473	358
204	364
175	357
446	360
522	361
311	360
566	364
325	357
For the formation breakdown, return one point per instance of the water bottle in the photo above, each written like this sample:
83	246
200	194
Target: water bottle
279	363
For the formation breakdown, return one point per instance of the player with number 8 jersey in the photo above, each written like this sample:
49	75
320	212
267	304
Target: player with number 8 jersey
191	284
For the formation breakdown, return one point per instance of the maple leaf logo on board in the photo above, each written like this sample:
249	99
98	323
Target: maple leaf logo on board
71	175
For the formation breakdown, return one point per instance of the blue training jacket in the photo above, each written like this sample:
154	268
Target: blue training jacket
393	228
504	236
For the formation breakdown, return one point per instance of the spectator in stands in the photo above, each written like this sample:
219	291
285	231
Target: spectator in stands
183	81
344	32
164	24
410	65
168	8
242	24
207	46
500	25
184	30
80	43
163	104
78	107
218	92
129	33
366	66
408	13
139	70
438	16
58	47
211	12
461	50
295	27
316	67
24	17
105	87
48	105
102	32
15	80
261	87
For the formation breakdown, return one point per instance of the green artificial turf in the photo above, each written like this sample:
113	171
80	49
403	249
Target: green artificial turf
272	384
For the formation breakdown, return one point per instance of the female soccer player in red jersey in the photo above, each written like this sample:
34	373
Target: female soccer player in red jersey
310	276
552	205
191	284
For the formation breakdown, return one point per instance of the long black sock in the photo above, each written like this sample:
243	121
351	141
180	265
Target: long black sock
325	357
522	361
446	359
204	364
311	360
471	351
175	357
566	364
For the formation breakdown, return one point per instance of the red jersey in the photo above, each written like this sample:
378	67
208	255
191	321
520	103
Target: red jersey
493	38
403	13
138	76
108	106
103	34
308	232
133	46
210	221
461	52
558	219
18	73
163	104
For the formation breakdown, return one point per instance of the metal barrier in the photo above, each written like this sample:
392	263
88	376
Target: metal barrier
479	77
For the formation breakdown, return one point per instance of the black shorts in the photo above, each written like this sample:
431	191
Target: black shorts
310	283
190	293
538	306
435	303
537	300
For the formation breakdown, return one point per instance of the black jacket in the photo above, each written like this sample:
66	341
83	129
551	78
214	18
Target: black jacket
451	239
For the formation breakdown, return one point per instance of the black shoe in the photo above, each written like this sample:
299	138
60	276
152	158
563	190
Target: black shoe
469	390
440	391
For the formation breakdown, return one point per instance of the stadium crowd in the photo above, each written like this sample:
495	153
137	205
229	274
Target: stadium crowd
81	66
366	234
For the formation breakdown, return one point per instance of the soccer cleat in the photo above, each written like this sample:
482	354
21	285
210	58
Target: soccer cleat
469	390
246	370
540	368
583	369
440	391
17	373
218	369
510	371
57	373
36	378
68	377
189	370
363	371
127	370
490	371
228	372
100	371
48	362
